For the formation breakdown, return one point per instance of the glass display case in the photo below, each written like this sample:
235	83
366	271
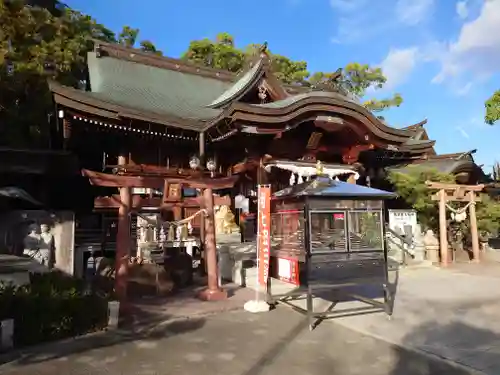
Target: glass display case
328	234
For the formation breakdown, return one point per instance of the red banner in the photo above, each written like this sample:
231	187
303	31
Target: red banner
264	233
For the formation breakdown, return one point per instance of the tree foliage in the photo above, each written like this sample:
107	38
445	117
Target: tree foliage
492	108
411	187
128	36
222	53
37	44
488	215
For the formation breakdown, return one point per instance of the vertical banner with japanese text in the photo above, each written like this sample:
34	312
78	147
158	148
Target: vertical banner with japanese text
264	232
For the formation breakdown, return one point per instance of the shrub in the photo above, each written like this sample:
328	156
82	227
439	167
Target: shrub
53	306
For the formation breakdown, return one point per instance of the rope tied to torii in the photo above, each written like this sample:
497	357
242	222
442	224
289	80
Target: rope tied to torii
459	214
459	210
174	223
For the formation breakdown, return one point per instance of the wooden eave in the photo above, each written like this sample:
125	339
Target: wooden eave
81	101
416	126
309	106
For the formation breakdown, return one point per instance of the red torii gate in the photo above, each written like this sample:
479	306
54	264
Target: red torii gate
124	184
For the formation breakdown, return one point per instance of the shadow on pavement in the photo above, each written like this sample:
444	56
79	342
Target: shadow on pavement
150	328
474	350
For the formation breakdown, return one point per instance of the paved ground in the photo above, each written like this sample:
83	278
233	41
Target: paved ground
232	343
452	313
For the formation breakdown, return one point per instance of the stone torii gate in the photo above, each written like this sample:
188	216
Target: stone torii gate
456	193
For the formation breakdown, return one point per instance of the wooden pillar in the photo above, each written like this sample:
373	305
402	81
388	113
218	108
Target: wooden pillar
443	241
213	291
201	151
473	227
123	242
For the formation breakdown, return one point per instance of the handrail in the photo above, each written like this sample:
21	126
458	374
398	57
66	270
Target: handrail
404	240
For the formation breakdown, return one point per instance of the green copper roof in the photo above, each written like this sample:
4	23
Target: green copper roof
312	94
240	86
441	165
152	89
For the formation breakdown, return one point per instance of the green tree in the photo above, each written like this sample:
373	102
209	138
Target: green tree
492	108
488	215
356	79
148	46
411	187
36	45
128	36
219	54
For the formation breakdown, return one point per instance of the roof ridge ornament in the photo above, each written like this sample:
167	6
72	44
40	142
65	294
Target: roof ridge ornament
263	50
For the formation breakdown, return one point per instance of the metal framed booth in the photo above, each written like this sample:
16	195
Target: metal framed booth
327	235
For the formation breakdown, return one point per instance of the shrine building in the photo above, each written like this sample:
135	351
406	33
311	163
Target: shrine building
148	119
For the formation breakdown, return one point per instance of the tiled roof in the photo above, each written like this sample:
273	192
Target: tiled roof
153	89
240	86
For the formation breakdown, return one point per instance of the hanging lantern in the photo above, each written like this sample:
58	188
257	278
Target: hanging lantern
211	166
194	163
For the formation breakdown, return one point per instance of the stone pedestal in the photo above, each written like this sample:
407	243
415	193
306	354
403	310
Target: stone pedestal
419	249
431	247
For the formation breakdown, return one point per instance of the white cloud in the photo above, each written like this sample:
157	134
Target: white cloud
463	132
413	12
462	9
464	90
477	48
398	65
359	20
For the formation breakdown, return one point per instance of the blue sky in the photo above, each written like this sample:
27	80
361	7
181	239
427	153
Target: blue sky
443	56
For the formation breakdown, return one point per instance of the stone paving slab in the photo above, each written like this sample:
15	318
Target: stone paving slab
186	304
451	314
232	343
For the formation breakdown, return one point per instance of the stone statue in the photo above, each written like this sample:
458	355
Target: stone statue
47	245
224	221
40	247
171	233
32	240
418	240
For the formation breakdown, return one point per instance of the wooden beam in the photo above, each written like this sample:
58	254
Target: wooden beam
110	180
440	185
350	155
139	202
453	198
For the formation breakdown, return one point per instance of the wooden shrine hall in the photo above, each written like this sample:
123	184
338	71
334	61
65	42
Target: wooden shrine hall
142	118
